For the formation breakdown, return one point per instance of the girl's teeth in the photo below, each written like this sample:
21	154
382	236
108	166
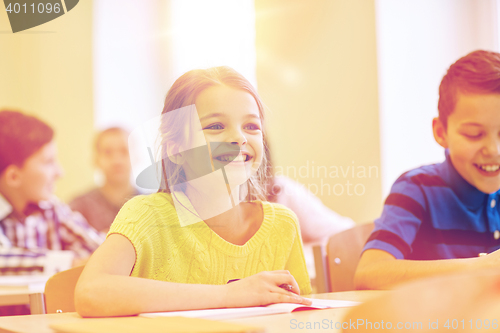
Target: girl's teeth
238	158
489	168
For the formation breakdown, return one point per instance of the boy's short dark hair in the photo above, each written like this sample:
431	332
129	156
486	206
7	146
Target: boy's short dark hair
20	137
477	73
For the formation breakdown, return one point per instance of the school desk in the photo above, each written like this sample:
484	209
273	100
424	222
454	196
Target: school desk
15	290
14	296
272	323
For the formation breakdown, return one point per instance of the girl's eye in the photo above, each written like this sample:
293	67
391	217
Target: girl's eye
252	127
214	127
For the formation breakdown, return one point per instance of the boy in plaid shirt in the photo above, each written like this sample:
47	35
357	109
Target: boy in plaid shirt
32	220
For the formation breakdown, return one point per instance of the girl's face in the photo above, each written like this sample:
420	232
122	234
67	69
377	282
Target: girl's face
231	116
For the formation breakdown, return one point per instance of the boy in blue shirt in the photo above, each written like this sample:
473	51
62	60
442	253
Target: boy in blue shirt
439	218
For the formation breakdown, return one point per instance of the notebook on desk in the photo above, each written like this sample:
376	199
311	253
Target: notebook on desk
234	313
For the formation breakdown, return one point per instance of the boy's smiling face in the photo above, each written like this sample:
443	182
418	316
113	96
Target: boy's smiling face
473	139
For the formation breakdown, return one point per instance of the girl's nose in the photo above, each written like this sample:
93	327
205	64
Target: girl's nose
239	143
238	138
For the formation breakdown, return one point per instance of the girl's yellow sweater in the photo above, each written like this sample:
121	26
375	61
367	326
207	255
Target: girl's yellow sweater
167	251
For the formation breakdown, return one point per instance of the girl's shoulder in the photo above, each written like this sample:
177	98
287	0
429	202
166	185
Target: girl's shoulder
159	199
280	214
143	206
143	212
153	200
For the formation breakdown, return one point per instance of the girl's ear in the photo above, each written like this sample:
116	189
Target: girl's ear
173	153
12	176
439	132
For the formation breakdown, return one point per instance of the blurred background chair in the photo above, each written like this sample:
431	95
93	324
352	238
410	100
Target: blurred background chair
335	266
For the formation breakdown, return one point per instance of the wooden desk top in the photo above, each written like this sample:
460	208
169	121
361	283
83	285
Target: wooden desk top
14	295
18	293
272	323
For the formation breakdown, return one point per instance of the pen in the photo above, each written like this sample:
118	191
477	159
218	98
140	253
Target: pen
286	286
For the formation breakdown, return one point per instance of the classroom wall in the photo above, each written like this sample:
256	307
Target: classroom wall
47	71
317	73
132	61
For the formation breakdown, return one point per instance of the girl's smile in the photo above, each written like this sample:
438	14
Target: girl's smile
231	116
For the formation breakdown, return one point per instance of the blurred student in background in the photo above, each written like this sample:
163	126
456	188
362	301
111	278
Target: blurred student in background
317	222
100	205
31	217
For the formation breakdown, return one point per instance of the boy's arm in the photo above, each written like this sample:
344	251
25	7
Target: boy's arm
76	234
383	264
378	269
18	261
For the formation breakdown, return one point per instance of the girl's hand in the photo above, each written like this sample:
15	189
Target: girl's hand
263	289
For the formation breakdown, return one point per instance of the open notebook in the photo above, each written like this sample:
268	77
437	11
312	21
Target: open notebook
233	313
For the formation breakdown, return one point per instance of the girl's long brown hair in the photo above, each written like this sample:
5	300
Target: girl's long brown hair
183	93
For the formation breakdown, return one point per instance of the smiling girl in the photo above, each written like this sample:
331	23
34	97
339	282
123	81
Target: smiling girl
178	249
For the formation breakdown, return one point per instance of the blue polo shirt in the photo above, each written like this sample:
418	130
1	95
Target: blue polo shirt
433	213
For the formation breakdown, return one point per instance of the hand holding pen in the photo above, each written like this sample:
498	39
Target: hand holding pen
264	288
286	286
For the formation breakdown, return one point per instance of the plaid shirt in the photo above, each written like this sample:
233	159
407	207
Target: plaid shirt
50	225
